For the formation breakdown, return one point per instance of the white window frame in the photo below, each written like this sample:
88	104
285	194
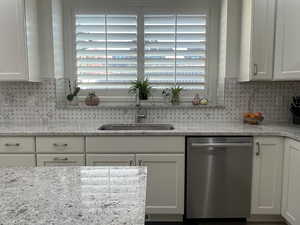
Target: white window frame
122	96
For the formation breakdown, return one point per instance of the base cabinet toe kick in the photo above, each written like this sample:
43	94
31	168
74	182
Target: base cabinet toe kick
273	179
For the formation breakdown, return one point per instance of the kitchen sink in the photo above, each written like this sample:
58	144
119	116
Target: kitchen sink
137	126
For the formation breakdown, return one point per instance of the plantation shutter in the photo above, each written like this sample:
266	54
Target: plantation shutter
175	50
106	51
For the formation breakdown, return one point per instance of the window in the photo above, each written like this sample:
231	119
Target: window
111	43
106	51
175	50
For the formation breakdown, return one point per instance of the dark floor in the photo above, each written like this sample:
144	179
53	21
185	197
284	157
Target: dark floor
213	223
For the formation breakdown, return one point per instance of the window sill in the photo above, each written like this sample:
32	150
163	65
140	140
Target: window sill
148	104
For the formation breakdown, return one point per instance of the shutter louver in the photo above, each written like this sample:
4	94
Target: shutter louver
175	50
106	51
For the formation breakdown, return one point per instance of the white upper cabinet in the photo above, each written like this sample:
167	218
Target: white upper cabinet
287	47
19	59
258	23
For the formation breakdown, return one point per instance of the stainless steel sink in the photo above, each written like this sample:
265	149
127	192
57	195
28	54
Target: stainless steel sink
137	126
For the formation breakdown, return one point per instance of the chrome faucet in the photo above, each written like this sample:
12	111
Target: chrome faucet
140	113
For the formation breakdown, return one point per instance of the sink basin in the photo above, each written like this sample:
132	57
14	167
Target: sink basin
137	126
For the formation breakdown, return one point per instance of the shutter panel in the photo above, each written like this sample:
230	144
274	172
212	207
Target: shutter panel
106	51
159	37
175	50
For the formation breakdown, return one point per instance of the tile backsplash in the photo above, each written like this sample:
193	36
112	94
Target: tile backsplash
20	101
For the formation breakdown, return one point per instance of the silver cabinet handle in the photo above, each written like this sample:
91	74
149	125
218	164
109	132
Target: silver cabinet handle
255	69
257	148
221	144
140	162
60	145
60	159
12	144
131	163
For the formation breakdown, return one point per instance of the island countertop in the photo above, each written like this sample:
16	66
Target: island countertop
73	196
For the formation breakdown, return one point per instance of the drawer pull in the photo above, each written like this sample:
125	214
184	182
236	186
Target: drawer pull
258	149
255	70
60	145
12	144
60	159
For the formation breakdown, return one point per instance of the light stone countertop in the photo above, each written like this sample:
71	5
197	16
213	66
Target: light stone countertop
89	128
73	196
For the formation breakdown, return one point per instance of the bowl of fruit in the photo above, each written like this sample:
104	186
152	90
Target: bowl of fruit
253	118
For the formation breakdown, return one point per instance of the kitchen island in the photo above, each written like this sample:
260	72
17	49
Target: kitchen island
73	196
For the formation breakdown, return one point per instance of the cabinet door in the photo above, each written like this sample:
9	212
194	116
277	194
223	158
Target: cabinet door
267	176
291	183
60	160
110	159
17	160
263	39
12	40
165	182
287	48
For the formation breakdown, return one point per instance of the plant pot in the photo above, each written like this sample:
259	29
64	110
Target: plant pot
175	100
74	102
92	100
296	119
143	96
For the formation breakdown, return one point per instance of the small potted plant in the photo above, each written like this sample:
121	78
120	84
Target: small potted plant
144	88
92	99
175	95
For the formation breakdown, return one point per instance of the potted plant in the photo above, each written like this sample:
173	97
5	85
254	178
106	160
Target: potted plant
144	88
175	95
92	99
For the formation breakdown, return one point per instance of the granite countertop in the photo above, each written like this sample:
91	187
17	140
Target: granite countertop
89	128
73	196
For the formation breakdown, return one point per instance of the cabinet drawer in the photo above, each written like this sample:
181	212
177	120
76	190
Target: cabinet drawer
60	144
135	144
16	145
20	160
60	160
110	159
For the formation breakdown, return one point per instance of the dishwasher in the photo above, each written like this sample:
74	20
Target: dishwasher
218	177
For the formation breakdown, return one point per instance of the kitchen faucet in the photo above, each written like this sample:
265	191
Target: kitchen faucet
140	113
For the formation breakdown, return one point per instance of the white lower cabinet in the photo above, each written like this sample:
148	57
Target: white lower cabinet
60	160
17	160
291	183
110	160
267	175
165	178
165	182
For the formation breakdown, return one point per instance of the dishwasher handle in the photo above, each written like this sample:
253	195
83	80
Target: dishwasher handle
221	144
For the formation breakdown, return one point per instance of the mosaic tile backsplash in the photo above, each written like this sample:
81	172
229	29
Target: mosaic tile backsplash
37	102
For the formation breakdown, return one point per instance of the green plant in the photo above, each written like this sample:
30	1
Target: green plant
175	92
143	86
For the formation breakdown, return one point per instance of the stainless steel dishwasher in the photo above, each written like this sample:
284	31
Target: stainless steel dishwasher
218	176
